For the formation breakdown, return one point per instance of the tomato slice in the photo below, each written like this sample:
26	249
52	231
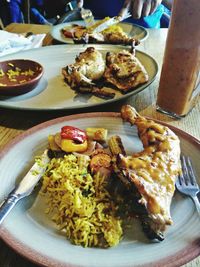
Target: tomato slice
73	133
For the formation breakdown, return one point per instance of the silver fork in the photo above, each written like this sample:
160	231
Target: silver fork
186	182
126	15
87	16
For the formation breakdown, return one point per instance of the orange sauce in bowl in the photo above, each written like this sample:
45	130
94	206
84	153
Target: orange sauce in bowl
19	76
15	75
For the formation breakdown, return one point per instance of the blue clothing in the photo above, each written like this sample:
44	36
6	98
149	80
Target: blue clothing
37	17
4	13
14	11
104	8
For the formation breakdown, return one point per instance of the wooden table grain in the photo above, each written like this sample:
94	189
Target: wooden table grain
14	122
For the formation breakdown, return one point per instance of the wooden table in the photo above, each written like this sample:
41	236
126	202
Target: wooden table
14	122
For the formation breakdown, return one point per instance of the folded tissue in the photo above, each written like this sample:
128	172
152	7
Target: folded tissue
13	42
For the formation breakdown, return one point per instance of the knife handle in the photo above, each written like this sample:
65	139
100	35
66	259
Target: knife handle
8	204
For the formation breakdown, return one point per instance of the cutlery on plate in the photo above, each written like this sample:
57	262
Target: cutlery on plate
110	22
26	185
87	16
186	182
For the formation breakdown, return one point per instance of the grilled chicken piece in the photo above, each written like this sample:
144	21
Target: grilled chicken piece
74	31
120	38
112	35
99	92
152	172
124	70
89	67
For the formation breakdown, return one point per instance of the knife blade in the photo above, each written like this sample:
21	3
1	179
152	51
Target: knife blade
26	185
112	21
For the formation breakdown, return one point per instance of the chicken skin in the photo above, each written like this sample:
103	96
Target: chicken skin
124	70
152	172
118	38
89	67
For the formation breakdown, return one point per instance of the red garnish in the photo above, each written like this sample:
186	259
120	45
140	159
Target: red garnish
73	133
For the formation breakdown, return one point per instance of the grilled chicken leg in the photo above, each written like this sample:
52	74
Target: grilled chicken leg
152	172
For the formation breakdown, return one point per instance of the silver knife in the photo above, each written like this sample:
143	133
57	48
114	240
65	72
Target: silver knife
26	185
110	22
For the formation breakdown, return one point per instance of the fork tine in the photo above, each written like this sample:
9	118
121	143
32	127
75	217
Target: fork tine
127	15
186	182
180	179
188	176
191	172
185	176
87	16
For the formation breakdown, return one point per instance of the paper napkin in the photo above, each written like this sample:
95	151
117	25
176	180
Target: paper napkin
13	42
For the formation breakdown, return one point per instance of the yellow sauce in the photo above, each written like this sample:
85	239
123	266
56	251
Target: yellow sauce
154	170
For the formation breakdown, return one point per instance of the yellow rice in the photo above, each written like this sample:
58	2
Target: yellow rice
112	29
80	203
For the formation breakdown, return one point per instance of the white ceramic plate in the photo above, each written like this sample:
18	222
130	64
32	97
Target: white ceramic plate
136	31
52	93
29	231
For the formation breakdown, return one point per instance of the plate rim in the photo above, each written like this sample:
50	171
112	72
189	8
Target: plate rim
78	21
183	256
141	88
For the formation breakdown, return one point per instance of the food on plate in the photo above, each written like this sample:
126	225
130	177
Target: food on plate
118	38
151	173
73	133
97	134
70	139
104	93
81	205
101	162
93	193
75	186
91	72
73	30
76	30
89	67
124	70
113	35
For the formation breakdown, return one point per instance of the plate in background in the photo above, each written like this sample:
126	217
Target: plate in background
133	30
52	93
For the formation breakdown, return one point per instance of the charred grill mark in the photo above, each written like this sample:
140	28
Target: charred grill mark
56	153
102	93
150	233
157	150
90	70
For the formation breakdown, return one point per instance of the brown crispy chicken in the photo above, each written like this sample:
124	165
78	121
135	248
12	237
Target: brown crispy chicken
90	73
89	66
152	172
120	38
124	70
